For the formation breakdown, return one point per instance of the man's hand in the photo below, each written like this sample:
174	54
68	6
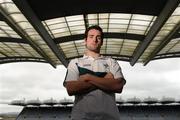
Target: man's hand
85	77
109	75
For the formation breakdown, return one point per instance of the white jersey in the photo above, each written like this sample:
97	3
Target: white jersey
97	104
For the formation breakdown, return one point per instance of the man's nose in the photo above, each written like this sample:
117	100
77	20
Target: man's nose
96	39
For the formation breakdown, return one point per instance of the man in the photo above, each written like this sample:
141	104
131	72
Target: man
94	80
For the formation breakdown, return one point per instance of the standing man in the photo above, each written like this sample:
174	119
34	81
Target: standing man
94	80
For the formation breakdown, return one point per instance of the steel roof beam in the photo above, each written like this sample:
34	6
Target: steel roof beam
176	35
39	27
121	57
13	40
34	46
85	21
167	55
79	37
158	24
106	35
164	43
21	59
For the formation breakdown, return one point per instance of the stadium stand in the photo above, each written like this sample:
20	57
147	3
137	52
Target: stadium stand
127	112
152	112
44	113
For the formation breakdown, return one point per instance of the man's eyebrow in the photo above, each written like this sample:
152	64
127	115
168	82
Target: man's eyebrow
94	35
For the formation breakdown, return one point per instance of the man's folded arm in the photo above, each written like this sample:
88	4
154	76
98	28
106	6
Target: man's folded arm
78	87
108	83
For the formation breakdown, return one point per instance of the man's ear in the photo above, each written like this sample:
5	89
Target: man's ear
101	42
85	40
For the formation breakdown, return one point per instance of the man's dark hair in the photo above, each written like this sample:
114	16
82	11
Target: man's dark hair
96	27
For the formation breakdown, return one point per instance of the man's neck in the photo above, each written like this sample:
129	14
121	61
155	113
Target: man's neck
92	54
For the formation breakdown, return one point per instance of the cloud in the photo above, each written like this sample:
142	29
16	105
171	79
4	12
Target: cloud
30	80
158	79
9	108
162	65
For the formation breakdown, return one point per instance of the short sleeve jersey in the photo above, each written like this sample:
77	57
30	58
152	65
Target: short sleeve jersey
96	104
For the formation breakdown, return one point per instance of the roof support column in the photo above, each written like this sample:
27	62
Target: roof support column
39	27
158	24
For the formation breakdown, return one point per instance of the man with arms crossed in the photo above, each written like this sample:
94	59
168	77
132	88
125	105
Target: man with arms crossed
94	80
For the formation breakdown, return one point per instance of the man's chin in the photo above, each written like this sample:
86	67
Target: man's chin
94	49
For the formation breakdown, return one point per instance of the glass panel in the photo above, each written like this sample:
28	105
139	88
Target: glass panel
92	16
75	18
25	25
117	30
57	26
69	55
136	32
104	15
9	6
117	26
55	21
137	27
77	32
18	17
118	21
177	11
92	22
56	35
3	34
174	19
139	22
76	23
60	30
122	16
6	31
142	17
105	21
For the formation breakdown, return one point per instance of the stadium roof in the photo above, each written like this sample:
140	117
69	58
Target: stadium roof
52	31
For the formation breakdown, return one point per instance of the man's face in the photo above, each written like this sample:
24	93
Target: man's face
93	41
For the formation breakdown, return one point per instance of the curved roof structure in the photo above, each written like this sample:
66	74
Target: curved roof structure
52	31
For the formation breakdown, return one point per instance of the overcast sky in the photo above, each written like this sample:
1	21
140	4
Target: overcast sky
159	78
